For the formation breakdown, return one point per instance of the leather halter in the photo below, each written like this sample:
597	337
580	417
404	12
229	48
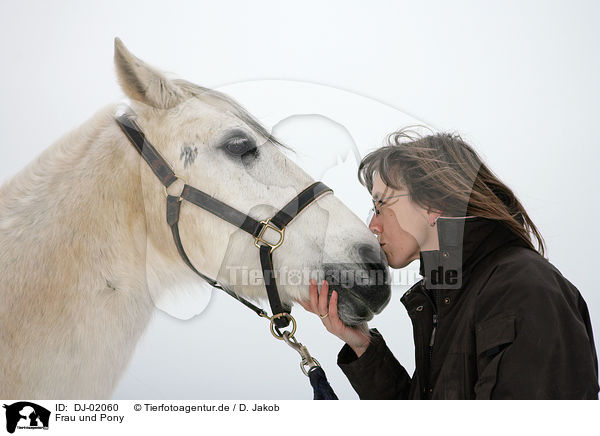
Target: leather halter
256	229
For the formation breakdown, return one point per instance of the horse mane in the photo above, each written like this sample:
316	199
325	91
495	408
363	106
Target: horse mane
70	257
58	156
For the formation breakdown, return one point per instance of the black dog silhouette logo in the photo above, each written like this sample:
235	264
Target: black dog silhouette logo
26	415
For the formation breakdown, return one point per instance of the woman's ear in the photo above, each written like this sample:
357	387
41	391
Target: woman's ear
432	216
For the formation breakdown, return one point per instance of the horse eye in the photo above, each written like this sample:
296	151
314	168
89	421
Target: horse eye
239	144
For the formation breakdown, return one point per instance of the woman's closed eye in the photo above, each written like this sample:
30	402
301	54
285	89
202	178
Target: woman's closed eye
378	205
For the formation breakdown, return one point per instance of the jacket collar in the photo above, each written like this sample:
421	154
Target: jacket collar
463	243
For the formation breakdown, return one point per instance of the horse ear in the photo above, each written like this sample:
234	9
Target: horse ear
143	83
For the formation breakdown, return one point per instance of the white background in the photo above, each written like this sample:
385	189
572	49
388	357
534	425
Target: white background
517	79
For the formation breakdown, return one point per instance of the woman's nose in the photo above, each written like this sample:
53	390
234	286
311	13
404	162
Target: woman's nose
375	225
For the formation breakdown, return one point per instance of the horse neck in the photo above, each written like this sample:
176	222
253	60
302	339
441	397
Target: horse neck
72	229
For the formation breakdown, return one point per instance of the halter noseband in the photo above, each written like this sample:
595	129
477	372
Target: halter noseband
163	171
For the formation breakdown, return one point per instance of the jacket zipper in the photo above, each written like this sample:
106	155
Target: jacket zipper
431	339
431	342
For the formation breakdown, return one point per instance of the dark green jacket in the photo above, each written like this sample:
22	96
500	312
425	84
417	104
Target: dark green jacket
508	326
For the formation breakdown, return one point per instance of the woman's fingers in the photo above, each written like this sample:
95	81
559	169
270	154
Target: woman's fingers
313	295
333	306
336	322
323	294
318	303
312	304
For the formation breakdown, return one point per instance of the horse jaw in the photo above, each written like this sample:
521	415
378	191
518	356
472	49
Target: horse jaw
173	287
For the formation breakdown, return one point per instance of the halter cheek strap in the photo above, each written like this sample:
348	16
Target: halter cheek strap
256	229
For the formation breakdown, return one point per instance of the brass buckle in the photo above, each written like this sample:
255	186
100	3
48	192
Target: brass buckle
267	225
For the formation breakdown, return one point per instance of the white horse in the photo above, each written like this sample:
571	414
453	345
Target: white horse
84	240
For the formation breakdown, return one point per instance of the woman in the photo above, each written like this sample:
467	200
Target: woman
492	318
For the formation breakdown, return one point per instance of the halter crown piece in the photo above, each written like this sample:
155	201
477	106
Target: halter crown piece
281	314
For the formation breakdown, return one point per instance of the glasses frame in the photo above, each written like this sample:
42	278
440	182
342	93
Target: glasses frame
380	202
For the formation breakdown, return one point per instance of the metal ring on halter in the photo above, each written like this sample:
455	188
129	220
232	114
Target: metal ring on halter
178	178
275	331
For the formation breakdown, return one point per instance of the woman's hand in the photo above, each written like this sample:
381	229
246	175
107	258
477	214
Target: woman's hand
356	339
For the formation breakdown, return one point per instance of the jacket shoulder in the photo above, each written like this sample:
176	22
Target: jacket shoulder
522	277
525	268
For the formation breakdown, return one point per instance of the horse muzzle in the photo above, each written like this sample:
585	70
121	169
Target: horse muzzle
363	287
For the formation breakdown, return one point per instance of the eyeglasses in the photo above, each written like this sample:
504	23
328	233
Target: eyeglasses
380	202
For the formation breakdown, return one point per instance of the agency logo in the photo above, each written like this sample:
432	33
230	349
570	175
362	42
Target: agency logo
26	415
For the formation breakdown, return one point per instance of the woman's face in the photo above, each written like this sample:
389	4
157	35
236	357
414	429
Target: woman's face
402	227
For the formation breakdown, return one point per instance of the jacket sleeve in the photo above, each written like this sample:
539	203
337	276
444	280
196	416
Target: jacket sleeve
534	339
376	374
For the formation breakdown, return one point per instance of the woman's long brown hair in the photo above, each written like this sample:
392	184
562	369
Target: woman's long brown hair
443	173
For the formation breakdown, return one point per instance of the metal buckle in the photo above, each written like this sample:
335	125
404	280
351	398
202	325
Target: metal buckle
267	225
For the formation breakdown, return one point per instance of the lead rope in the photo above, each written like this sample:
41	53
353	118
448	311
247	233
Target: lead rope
318	380
310	366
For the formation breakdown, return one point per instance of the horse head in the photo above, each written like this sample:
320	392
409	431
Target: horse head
215	145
